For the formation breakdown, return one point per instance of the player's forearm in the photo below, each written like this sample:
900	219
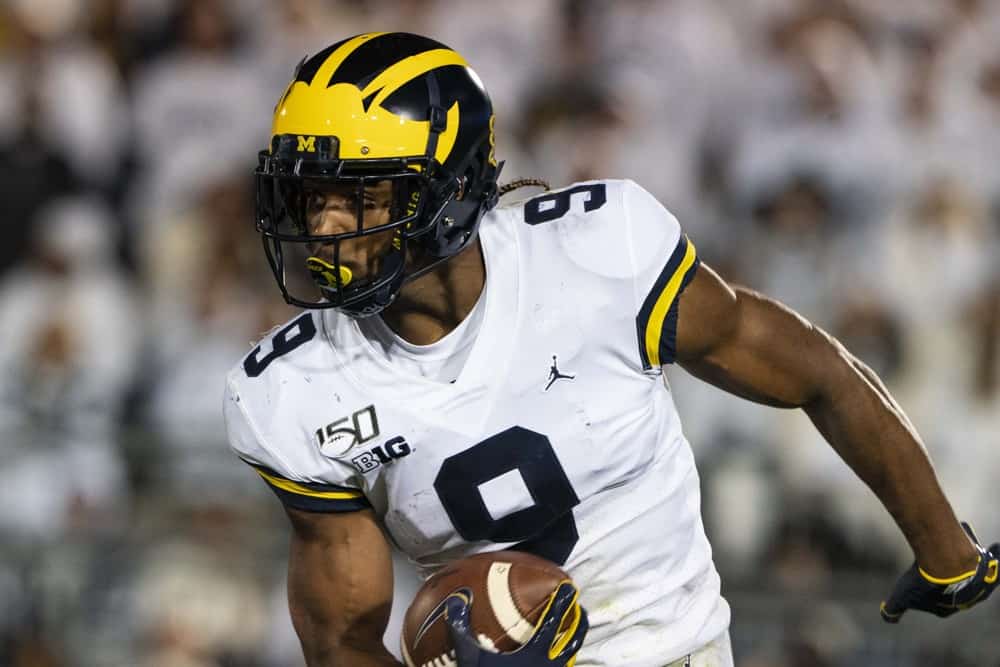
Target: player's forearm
323	645
319	655
757	348
859	418
339	590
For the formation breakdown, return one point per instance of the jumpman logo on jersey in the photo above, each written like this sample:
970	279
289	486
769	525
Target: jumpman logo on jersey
554	374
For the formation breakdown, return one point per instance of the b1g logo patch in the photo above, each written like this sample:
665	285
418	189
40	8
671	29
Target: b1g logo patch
337	437
389	451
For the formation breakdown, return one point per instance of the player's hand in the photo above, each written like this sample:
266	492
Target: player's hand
943	597
546	648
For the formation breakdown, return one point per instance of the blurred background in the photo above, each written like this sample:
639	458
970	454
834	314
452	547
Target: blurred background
838	155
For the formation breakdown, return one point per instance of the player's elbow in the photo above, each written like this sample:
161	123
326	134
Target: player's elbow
341	639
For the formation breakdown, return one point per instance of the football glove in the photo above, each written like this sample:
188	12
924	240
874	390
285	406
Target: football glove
547	646
943	597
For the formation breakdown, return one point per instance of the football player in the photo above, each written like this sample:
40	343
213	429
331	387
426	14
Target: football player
469	377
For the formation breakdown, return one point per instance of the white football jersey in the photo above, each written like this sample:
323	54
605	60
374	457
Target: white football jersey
559	434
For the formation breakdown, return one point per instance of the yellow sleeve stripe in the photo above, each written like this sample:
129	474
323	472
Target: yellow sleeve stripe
296	488
657	345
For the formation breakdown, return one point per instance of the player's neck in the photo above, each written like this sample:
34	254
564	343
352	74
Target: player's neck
431	306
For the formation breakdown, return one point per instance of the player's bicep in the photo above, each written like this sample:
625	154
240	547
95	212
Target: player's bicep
750	345
339	586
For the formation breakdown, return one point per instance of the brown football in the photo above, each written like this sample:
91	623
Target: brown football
509	590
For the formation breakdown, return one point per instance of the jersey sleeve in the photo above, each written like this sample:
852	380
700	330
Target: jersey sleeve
664	261
331	490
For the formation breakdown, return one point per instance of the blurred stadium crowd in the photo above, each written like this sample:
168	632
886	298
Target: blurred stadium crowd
839	155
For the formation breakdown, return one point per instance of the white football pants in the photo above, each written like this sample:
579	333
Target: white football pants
716	653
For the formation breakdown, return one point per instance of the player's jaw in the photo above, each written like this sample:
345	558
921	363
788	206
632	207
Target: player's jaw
361	256
334	210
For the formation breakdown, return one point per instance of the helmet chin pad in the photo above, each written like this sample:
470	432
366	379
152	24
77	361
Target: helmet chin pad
392	275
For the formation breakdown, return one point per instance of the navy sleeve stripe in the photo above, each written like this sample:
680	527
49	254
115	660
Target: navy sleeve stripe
313	496
314	504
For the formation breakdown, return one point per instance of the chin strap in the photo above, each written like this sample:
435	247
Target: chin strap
436	115
391	265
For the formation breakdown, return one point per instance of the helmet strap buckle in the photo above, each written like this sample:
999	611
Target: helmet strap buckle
438	118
